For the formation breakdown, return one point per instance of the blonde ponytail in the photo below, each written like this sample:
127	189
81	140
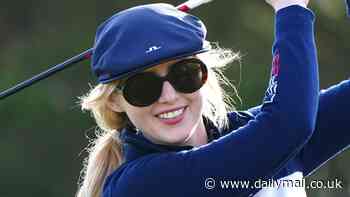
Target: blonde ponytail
104	157
105	151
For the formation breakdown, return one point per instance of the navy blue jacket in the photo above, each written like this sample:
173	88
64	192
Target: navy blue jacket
270	141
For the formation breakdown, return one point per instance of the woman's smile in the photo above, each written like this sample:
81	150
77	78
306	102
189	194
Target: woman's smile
172	117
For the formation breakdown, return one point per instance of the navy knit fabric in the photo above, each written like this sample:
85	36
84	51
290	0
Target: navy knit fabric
263	145
331	135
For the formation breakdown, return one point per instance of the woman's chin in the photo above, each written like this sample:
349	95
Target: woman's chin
178	136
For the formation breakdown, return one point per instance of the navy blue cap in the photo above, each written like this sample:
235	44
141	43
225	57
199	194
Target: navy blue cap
143	36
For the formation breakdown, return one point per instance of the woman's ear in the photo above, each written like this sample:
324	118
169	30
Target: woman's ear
114	103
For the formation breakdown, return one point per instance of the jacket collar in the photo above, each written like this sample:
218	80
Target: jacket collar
135	145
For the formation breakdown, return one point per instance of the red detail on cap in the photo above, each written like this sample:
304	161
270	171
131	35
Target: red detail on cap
184	8
276	65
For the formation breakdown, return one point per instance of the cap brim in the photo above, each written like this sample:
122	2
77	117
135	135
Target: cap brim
141	68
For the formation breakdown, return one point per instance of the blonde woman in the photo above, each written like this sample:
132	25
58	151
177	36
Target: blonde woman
165	127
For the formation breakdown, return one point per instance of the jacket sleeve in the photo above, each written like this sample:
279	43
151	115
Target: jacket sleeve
257	150
332	132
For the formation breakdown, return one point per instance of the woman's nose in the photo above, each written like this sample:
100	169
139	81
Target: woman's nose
168	94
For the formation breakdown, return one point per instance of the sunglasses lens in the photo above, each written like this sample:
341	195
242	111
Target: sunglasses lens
188	76
142	89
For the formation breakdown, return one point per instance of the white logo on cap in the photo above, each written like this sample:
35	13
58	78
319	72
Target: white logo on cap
153	48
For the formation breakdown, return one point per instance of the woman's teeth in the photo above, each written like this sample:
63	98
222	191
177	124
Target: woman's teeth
172	114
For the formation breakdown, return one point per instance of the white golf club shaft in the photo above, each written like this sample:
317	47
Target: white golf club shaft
191	4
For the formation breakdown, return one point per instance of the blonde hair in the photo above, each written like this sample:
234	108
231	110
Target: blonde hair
105	151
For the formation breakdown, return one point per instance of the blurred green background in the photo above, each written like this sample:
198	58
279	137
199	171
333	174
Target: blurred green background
44	132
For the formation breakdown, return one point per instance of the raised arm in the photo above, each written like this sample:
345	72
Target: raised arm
332	132
259	149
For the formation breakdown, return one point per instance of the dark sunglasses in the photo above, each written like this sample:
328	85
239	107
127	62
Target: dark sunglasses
143	89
